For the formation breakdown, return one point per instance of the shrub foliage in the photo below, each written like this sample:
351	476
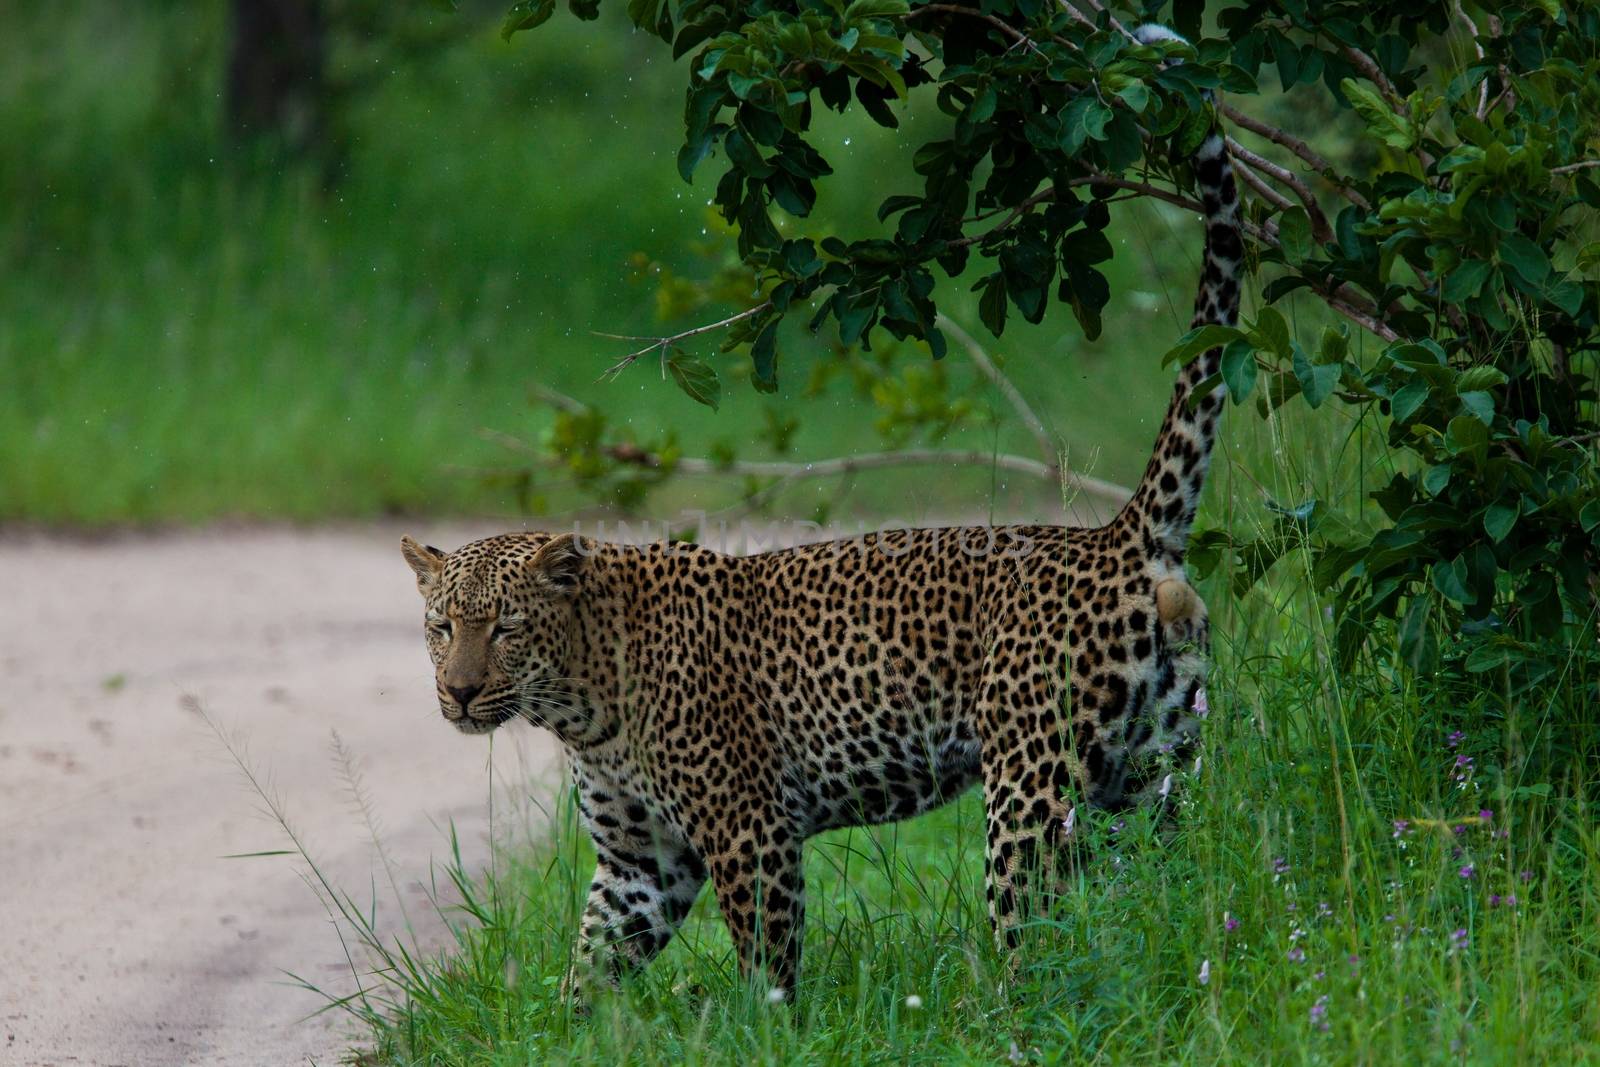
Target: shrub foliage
1457	227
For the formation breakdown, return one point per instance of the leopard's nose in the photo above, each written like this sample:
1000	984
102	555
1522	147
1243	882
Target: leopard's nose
464	693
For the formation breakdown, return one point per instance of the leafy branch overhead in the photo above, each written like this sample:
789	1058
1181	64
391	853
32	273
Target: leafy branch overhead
1455	224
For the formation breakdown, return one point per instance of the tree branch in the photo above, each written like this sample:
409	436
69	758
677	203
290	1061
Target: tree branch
866	461
661	344
1099	8
1582	164
1373	73
998	23
1319	222
1364	319
1263	190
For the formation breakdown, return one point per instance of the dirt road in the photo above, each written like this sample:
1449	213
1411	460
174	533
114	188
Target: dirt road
125	937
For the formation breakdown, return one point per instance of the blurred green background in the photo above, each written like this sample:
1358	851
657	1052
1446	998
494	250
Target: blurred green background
194	327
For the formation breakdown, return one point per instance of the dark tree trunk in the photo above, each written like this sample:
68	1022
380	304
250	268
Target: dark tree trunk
276	85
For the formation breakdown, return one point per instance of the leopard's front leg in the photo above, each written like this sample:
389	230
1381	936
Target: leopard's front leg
645	881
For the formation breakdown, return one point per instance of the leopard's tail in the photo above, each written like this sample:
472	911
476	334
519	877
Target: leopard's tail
1163	507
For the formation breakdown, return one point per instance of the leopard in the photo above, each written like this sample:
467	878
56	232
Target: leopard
718	710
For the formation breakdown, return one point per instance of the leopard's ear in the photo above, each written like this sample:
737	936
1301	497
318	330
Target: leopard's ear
1175	600
425	560
558	566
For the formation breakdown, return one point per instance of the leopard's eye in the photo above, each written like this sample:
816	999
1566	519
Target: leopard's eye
503	629
440	629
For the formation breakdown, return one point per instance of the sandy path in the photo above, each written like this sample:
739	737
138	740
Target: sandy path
124	937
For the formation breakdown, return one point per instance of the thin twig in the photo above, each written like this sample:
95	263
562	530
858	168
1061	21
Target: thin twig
1278	137
1000	24
1030	419
1263	190
558	400
1319	222
1582	164
1112	19
661	344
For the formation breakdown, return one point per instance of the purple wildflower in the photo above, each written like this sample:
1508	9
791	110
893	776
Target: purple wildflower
1455	739
1486	815
1460	939
1526	876
1468	871
1229	923
1280	866
1319	1013
1401	826
1297	955
1201	707
1511	900
1494	900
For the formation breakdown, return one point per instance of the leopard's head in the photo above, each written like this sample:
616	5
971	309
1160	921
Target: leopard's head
499	624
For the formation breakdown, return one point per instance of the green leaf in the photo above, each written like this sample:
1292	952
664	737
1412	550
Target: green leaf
1450	579
1498	519
1294	233
1239	369
1123	144
1334	344
1317	380
1199	340
525	15
1480	377
1084	119
1524	257
992	305
1272	332
744	155
1466	280
1479	404
1589	517
1467	435
1382	123
874	9
588	10
1405	403
696	378
764	358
